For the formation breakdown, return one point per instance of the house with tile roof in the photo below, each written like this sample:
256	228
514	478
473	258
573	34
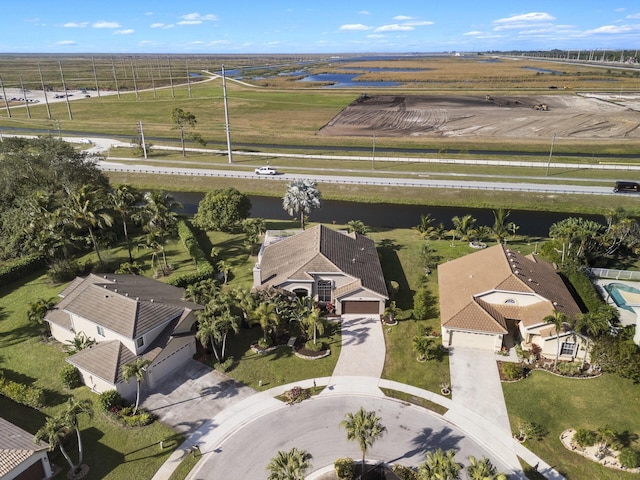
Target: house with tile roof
327	265
129	316
20	458
492	293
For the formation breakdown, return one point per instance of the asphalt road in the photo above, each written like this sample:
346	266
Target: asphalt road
313	425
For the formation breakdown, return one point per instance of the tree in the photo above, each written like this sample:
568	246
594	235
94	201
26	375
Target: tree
424	347
596	323
122	201
135	369
302	196
558	319
159	212
85	210
425	224
224	267
464	227
253	228
207	329
483	469
38	310
440	465
267	316
314	324
576	231
363	427
500	225
358	226
183	120
53	432
70	416
222	209
79	342
290	465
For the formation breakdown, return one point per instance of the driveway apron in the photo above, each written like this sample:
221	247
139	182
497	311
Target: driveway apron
475	384
193	395
363	348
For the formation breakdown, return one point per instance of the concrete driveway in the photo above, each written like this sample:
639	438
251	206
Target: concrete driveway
475	383
193	395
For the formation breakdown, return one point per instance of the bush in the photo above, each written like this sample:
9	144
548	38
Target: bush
225	366
297	394
512	371
584	437
63	270
629	458
314	347
584	288
25	395
345	468
405	473
423	303
109	400
70	376
204	268
570	369
14	270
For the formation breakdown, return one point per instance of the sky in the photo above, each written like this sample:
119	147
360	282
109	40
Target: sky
328	26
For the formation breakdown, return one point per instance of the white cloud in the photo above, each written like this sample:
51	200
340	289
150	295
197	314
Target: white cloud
163	26
375	35
352	27
149	13
419	23
363	12
473	33
197	42
526	17
189	22
401	18
75	25
103	24
394	28
193	18
66	42
127	31
610	29
633	16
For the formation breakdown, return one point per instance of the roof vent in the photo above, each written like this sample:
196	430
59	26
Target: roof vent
115	290
151	300
517	272
126	294
531	279
353	260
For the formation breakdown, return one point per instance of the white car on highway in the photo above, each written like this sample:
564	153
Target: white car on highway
266	171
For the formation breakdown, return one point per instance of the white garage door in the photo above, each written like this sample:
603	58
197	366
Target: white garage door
171	362
473	340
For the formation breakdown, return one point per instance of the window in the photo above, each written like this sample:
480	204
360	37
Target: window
100	330
140	341
324	290
567	348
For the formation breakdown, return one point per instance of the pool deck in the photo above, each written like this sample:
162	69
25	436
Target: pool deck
626	317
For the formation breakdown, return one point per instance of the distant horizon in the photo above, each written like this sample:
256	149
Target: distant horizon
285	27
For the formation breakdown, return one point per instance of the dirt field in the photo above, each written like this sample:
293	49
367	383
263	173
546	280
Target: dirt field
569	116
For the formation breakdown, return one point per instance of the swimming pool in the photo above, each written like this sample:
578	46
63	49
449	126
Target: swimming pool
623	295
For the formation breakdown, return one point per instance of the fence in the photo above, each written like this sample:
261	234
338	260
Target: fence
615	274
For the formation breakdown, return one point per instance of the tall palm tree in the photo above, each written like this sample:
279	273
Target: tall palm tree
290	465
207	329
302	196
70	416
85	210
267	316
225	323
440	465
39	308
483	470
558	319
464	226
122	201
159	212
363	427
135	369
53	432
500	225
314	323
595	323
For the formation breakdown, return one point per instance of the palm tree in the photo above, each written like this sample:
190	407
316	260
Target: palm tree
79	342
53	432
302	196
207	329
440	465
85	209
122	200
363	427
423	347
290	465
70	418
558	319
183	119
38	310
425	224
464	226
483	470
225	323
596	323
159	212
314	323
358	226
135	369
224	268
267	316
500	226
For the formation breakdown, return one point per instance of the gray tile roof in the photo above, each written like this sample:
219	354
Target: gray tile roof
105	360
16	446
321	250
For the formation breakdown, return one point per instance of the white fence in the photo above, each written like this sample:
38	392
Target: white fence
615	274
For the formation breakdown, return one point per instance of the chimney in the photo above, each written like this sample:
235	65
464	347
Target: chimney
257	275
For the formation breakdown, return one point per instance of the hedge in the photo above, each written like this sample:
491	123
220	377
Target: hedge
583	286
204	268
17	269
23	394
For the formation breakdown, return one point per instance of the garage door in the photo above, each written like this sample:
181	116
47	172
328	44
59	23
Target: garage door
360	307
473	340
170	363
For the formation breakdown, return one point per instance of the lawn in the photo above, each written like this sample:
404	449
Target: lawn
560	403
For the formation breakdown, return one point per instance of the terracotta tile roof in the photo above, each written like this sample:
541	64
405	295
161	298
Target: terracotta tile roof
475	316
499	269
130	305
321	249
16	446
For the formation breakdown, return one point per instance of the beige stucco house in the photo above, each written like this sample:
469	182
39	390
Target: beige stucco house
129	316
327	265
495	292
20	458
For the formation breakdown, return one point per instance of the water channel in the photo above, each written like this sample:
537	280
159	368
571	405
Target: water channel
531	223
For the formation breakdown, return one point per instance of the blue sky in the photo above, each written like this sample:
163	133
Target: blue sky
328	26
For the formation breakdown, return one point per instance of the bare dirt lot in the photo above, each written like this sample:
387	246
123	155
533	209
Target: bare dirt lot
570	116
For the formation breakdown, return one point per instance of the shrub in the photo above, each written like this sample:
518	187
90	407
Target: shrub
204	268
394	287
70	376
63	270
109	400
512	371
225	366
570	369
345	468
314	347
584	437
297	394
423	303
14	270
629	458
405	473
134	268
265	342
585	288
26	395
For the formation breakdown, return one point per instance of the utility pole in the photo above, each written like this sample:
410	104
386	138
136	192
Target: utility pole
226	115
6	102
66	93
142	142
373	154
550	154
44	91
